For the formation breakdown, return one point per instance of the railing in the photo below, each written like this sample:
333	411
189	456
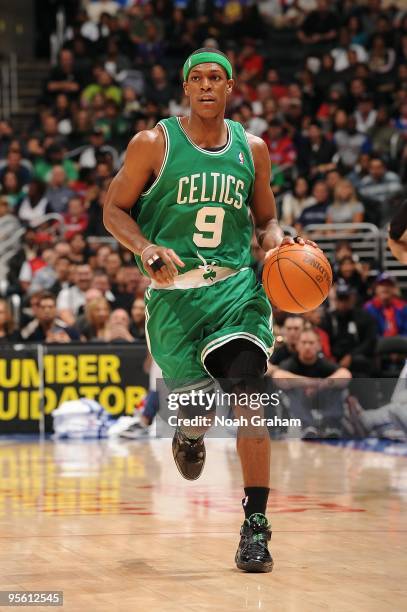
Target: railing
9	87
364	238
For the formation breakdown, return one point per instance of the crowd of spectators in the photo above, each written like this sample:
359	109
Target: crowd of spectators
336	129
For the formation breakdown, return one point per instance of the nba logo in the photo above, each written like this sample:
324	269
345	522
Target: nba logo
241	158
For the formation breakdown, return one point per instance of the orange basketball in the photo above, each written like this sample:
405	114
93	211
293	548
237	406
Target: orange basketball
297	278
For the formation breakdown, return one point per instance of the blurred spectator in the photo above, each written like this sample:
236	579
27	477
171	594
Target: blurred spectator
295	202
387	309
292	328
35	203
348	272
76	219
97	8
118	327
97	313
14	163
360	170
103	85
11	189
54	156
377	189
383	136
320	25
8	332
46	277
349	142
79	252
365	115
61	267
138	320
280	146
70	299
345	208
317	212
64	78
313	319
313	385
58	193
113	264
49	328
9	224
96	150
315	153
351	332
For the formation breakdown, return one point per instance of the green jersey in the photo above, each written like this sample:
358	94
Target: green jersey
199	203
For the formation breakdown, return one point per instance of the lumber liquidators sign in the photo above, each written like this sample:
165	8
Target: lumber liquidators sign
112	375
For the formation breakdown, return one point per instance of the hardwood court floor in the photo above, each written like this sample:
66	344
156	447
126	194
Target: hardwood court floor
115	527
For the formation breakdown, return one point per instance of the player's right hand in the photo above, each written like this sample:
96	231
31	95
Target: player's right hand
168	260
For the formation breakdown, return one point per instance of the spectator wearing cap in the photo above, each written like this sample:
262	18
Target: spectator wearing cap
388	310
317	212
377	189
352	332
96	150
58	192
315	152
49	327
35	204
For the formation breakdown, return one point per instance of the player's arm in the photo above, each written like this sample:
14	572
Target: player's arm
268	232
143	159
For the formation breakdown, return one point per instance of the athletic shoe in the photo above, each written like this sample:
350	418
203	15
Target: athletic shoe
189	455
253	554
136	430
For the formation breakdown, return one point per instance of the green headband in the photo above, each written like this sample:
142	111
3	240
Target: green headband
207	57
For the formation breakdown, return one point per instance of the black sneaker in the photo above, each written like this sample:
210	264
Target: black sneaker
189	455
253	554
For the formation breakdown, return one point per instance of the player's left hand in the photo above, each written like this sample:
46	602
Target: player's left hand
290	240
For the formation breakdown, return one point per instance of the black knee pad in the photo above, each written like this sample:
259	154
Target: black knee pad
239	366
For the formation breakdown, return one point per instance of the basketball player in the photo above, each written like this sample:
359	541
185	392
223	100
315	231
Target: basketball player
190	184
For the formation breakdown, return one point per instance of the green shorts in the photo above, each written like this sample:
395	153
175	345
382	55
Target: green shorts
184	325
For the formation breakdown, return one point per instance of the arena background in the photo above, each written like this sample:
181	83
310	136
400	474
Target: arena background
323	83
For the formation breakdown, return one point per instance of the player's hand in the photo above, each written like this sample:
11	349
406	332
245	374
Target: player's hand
290	240
161	264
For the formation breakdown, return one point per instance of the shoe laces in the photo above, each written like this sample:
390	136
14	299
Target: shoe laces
189	445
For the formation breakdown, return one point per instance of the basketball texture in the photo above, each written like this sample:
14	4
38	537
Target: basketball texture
297	278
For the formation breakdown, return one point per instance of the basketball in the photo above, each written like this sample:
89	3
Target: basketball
297	278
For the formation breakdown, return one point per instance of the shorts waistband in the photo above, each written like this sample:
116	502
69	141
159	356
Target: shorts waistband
199	278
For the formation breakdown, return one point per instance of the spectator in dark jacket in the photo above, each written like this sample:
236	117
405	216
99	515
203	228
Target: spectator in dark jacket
352	333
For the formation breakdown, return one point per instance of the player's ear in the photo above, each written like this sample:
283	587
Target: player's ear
186	88
229	86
